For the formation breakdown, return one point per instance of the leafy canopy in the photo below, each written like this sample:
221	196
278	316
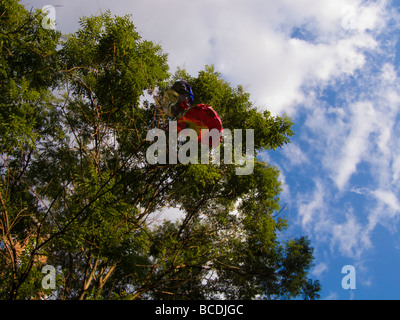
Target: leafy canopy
76	191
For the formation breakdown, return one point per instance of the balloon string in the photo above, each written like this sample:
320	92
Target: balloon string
161	114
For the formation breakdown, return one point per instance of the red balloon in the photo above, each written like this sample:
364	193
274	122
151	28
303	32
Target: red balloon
201	117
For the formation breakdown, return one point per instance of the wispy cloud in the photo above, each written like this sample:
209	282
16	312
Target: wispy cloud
332	296
350	236
319	269
311	207
295	155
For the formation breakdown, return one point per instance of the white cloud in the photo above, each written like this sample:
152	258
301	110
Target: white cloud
388	198
396	170
295	155
312	207
350	237
386	212
319	269
363	121
340	229
332	296
384	208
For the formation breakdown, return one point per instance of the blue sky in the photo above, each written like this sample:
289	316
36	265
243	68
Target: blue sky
333	66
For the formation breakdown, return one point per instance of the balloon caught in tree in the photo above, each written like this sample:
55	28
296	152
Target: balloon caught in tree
202	117
177	99
177	103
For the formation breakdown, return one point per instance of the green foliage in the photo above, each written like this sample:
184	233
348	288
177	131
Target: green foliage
28	60
106	63
77	192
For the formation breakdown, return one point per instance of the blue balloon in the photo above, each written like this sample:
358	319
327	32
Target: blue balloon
177	99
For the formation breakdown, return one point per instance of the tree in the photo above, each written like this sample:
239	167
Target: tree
78	193
27	121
